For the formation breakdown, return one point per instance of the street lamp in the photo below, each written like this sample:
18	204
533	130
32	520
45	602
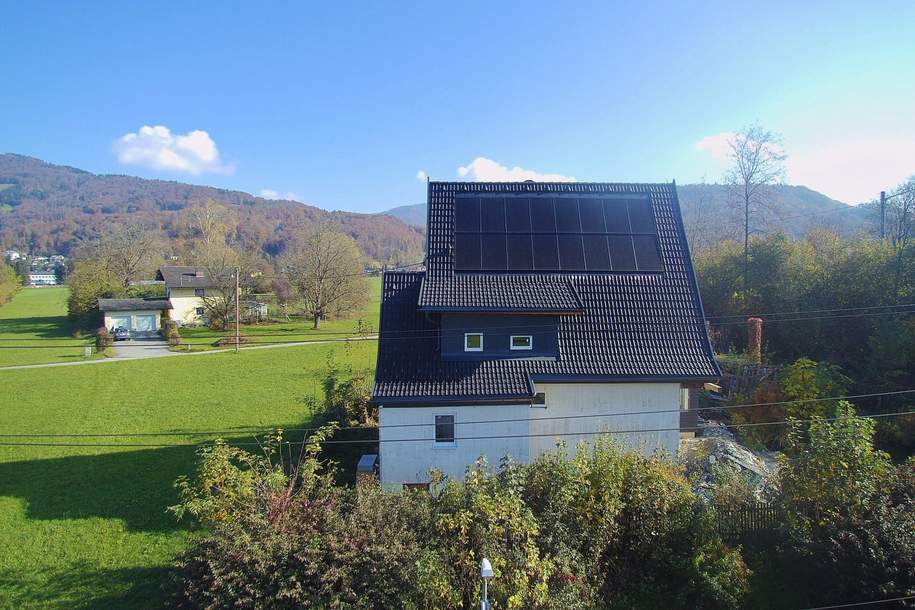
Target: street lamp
486	573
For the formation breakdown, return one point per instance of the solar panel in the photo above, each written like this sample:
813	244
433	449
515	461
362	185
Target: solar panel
543	219
546	253
518	215
493	252
571	234
647	254
492	214
467	214
571	255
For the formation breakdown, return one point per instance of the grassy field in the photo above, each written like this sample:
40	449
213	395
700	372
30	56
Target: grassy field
86	527
37	318
297	329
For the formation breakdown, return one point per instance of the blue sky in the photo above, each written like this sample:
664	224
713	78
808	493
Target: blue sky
342	104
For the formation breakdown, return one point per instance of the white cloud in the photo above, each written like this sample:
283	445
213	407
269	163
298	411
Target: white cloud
272	194
482	169
421	176
853	171
158	148
718	145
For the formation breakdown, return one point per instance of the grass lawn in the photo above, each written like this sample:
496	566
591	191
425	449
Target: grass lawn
299	328
86	527
37	318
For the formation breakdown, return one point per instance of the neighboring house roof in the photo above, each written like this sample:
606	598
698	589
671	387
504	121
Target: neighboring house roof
634	326
133	304
185	277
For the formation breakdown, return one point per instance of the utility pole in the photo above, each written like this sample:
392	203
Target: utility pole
882	215
237	271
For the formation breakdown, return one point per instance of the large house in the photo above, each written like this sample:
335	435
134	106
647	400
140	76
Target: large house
547	311
185	289
42	278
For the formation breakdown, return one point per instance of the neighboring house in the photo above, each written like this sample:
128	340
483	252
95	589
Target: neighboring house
42	278
547	311
12	255
142	317
185	288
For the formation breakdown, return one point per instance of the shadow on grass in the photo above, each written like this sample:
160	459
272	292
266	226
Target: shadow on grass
84	587
48	327
134	486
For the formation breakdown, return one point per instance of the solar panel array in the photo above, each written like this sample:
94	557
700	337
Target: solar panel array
555	234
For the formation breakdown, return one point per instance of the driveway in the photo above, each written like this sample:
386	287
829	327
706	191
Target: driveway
141	348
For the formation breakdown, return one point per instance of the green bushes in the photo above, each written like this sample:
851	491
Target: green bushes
103	339
604	529
170	327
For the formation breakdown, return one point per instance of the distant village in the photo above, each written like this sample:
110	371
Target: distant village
38	269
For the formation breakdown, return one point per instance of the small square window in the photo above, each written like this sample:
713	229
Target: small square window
444	429
522	342
199	292
199	311
473	342
539	400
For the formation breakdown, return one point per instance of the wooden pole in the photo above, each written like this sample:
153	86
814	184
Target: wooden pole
237	271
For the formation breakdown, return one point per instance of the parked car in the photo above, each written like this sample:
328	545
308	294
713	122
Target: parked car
120	333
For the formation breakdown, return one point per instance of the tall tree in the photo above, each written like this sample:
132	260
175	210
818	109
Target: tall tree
127	253
757	161
325	268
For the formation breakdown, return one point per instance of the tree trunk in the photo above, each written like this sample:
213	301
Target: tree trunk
317	321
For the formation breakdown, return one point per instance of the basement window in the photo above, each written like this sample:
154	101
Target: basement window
522	342
473	342
444	430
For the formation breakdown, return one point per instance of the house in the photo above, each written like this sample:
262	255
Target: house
42	278
547	311
185	288
11	255
142	317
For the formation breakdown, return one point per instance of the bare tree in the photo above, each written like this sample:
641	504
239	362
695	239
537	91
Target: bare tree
757	161
325	268
126	254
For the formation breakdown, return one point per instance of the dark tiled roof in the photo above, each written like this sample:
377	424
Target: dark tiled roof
176	276
502	293
133	304
635	327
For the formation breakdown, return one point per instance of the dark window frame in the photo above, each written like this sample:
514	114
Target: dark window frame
442	423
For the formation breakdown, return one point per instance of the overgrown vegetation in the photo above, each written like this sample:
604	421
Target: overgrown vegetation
9	283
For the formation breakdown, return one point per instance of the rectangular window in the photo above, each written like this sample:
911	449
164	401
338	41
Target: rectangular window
444	429
522	342
473	342
199	292
199	311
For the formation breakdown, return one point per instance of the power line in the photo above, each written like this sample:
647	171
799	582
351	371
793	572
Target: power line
256	431
459	438
852	605
803	311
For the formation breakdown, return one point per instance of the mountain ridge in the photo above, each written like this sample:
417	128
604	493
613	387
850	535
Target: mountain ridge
46	207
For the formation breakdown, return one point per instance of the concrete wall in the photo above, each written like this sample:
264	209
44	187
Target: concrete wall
409	461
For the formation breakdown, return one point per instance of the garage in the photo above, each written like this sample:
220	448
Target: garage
142	317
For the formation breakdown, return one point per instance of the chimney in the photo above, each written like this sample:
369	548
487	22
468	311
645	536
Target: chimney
198	272
754	339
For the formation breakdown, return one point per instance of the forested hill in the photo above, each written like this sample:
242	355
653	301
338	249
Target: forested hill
712	213
50	208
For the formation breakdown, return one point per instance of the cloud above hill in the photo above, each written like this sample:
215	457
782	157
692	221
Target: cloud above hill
272	194
482	169
156	147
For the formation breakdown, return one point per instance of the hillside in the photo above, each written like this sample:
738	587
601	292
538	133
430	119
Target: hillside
50	208
709	211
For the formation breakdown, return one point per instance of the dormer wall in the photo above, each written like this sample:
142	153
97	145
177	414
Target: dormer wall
497	331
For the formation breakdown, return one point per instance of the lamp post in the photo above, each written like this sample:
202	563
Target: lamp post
486	573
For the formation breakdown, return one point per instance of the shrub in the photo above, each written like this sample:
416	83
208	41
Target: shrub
103	339
172	333
230	340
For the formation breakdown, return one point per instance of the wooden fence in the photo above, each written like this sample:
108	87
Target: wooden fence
751	520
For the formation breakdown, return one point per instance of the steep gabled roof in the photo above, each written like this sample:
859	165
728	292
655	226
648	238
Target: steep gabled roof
180	276
631	326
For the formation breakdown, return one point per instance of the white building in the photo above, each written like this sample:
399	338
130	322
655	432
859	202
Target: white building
12	255
186	288
548	312
42	278
141	317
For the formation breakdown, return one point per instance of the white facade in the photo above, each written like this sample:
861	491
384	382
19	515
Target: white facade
187	306
43	278
409	461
